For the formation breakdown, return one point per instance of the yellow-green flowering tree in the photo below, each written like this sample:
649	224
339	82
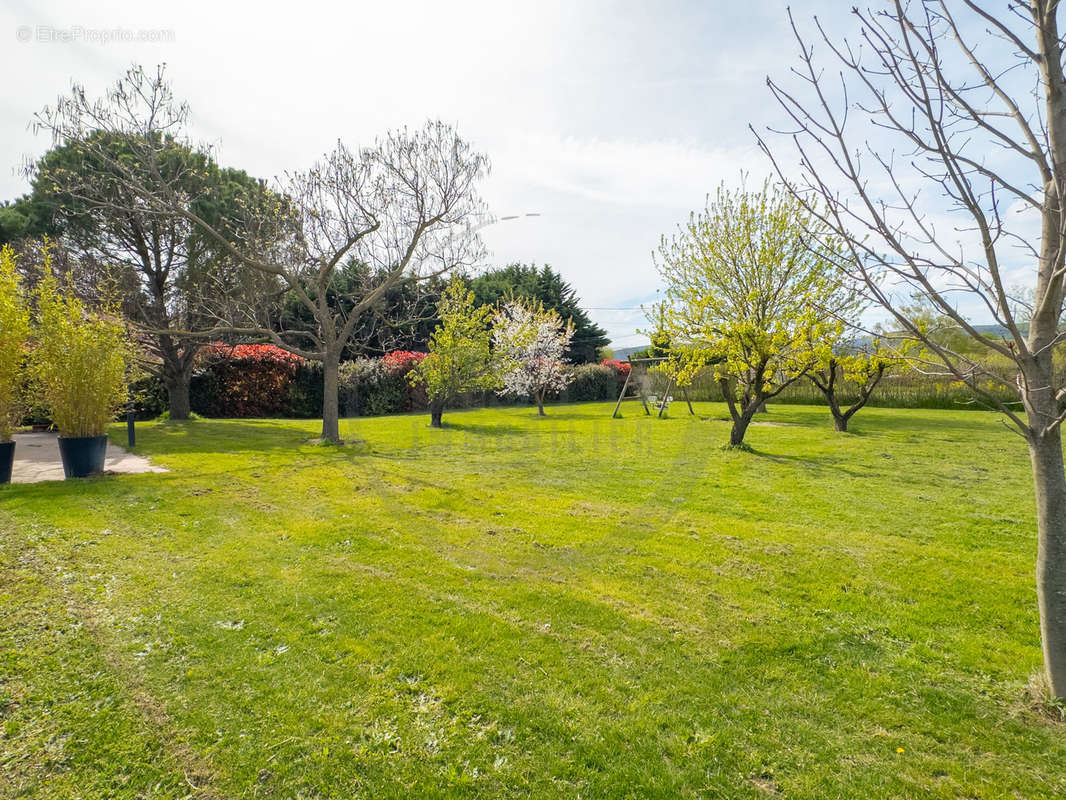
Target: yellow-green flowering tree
14	330
80	361
460	354
853	372
750	287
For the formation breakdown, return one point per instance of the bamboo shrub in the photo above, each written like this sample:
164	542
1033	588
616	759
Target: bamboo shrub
14	331
81	361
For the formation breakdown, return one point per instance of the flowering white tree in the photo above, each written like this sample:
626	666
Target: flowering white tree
531	342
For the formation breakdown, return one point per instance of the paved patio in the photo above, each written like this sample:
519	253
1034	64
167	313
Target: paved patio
37	459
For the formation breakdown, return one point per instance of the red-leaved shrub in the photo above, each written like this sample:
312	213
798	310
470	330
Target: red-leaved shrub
621	367
402	361
252	380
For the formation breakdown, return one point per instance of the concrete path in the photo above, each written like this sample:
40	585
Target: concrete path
37	459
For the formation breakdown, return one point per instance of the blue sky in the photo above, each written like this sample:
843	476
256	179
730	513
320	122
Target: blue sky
613	120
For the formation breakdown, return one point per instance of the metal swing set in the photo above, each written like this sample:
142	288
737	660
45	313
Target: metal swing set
648	400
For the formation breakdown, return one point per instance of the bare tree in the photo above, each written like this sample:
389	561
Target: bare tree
404	206
938	151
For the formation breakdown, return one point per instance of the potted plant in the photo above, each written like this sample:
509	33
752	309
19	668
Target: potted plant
81	362
14	331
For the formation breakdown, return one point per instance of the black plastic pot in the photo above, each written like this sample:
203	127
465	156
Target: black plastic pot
82	455
7	459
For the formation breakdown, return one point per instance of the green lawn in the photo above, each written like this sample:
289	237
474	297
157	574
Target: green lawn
518	607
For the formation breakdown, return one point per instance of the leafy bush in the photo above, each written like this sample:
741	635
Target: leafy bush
148	395
205	388
80	362
247	380
592	382
402	361
621	368
14	331
305	391
370	388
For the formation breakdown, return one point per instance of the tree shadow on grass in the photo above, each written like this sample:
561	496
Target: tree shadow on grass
227	437
484	429
816	465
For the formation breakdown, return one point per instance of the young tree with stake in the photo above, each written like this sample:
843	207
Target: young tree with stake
936	123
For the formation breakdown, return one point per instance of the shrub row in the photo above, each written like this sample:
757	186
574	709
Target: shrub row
266	381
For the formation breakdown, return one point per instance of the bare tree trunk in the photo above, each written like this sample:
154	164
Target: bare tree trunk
330	397
436	412
178	398
540	404
741	416
1046	455
1049	479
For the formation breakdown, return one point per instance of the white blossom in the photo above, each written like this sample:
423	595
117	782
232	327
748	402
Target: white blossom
531	343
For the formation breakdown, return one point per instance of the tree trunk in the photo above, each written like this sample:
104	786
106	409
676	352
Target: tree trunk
1041	403
740	424
1045	453
176	378
840	419
436	411
178	396
330	397
540	404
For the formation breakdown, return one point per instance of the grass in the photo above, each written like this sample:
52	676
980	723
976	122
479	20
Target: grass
516	607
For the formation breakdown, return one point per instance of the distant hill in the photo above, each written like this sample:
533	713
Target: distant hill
622	353
997	331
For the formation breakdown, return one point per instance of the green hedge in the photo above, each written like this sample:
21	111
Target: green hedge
304	399
368	389
592	382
